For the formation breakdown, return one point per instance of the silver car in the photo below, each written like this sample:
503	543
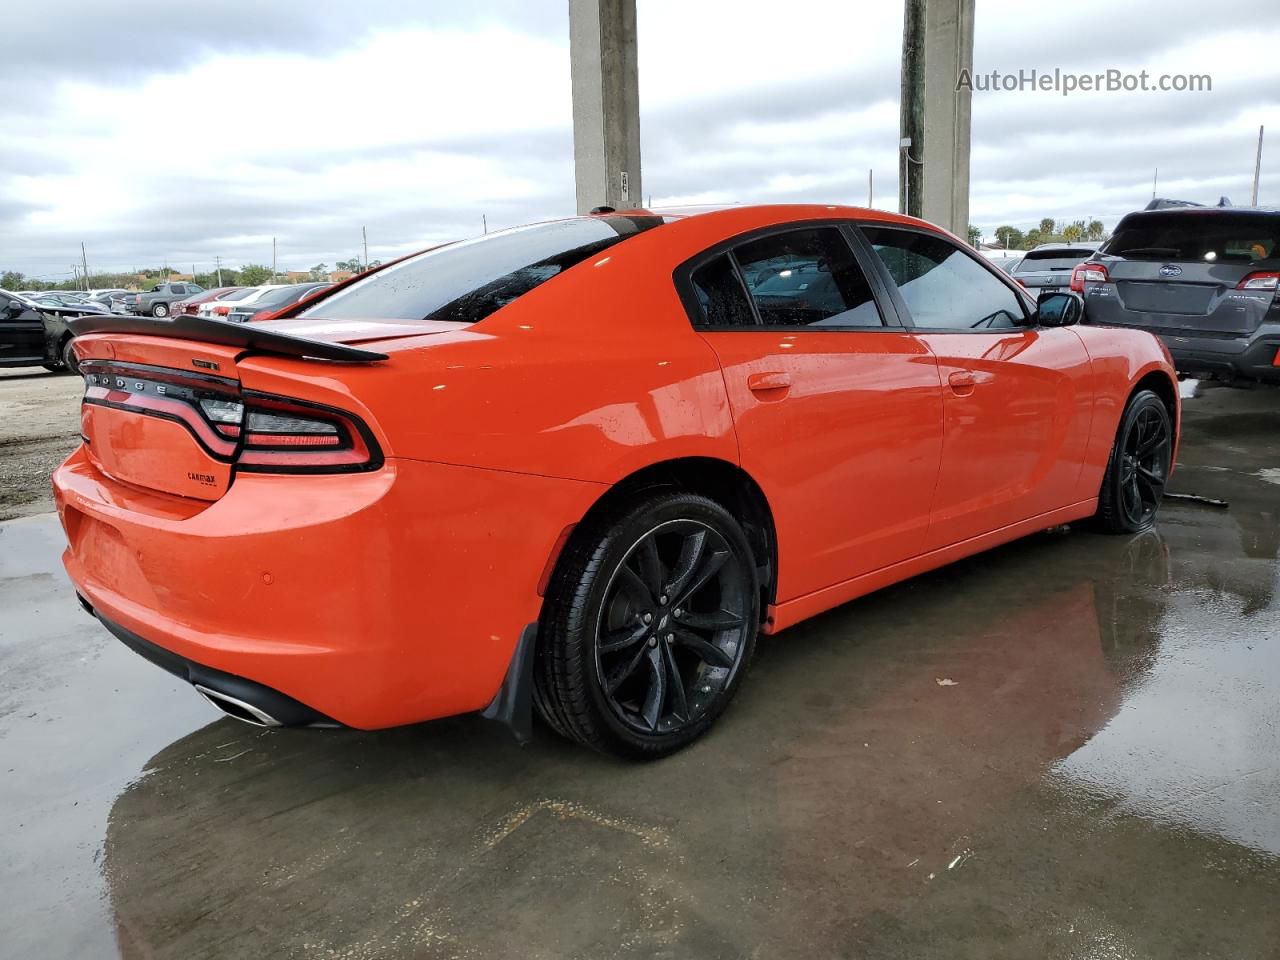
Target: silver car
1047	268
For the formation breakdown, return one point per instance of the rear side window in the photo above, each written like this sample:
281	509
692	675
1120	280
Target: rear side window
466	281
721	298
1194	235
944	288
807	278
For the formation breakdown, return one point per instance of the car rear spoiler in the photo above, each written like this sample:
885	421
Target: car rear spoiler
205	330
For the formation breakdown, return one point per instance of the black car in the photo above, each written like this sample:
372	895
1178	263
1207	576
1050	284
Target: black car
1203	279
35	336
274	300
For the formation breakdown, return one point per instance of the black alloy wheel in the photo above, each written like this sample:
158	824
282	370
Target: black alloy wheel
649	627
1139	466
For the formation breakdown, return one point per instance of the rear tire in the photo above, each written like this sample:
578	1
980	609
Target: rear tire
69	361
1138	468
648	628
160	310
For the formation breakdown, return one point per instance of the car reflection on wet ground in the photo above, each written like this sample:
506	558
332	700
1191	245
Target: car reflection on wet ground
1068	747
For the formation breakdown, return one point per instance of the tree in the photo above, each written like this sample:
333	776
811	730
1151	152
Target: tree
1008	236
1095	230
1073	231
1047	226
12	280
254	274
1032	239
353	265
320	271
975	234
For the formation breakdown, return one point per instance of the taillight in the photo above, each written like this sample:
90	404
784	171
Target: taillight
1263	280
222	311
1020	282
1087	273
279	435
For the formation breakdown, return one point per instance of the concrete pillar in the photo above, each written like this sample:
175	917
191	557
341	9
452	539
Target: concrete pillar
948	49
606	103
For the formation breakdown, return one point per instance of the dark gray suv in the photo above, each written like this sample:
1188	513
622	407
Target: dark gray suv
1203	279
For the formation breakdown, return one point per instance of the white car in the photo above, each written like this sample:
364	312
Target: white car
224	305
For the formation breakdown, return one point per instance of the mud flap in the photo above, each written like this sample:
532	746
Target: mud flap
512	706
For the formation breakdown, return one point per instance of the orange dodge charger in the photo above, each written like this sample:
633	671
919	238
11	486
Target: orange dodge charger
577	466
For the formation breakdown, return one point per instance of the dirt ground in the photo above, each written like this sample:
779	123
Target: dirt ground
39	426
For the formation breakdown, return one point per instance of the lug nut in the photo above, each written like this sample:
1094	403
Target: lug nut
671	638
677	612
647	618
653	641
663	598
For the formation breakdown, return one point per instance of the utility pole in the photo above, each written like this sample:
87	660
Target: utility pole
84	260
484	221
871	188
1155	178
217	266
273	259
911	122
75	275
364	236
1257	169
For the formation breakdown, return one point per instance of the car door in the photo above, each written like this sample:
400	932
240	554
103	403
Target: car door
838	409
22	333
1017	397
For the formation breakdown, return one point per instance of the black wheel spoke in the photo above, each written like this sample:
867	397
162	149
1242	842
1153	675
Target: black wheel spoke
720	620
687	564
651	565
679	702
656	698
1151	445
630	581
620	675
619	640
1133	500
1149	486
707	651
711	564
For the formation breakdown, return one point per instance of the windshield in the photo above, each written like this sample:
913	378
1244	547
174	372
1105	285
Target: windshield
1210	236
465	282
1059	258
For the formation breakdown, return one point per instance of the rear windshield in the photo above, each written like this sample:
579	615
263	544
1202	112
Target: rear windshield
1194	235
1056	259
466	281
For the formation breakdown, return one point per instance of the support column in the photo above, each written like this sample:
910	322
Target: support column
934	113
606	103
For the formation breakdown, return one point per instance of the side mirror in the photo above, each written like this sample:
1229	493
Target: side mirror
1059	309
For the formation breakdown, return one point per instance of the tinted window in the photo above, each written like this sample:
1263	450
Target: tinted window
1194	235
469	280
720	295
807	278
943	287
1058	259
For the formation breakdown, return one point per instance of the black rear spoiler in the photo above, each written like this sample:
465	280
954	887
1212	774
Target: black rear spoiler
204	330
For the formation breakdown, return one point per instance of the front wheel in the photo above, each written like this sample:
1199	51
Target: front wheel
1138	469
648	628
160	310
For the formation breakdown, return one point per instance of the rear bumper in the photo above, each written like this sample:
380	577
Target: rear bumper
1252	359
373	599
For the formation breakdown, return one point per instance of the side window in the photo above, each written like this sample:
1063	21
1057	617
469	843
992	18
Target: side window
720	295
177	288
944	288
807	277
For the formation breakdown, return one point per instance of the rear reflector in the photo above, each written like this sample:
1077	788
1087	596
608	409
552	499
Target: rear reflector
1263	280
1087	273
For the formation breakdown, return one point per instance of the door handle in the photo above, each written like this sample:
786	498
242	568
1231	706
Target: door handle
962	382
770	380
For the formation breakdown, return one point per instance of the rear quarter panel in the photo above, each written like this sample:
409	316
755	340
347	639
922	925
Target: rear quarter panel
1119	359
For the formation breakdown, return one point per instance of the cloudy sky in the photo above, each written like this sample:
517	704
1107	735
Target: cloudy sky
161	131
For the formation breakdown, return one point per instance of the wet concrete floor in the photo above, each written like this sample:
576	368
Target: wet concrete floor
1068	747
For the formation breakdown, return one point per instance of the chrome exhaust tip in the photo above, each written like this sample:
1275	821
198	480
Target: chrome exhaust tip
237	709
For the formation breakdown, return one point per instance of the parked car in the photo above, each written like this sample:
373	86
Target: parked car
191	304
32	335
221	308
1006	264
104	297
157	301
581	463
1203	279
273	300
1047	267
69	303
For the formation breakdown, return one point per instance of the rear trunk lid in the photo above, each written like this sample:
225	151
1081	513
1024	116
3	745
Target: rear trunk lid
1180	272
164	401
